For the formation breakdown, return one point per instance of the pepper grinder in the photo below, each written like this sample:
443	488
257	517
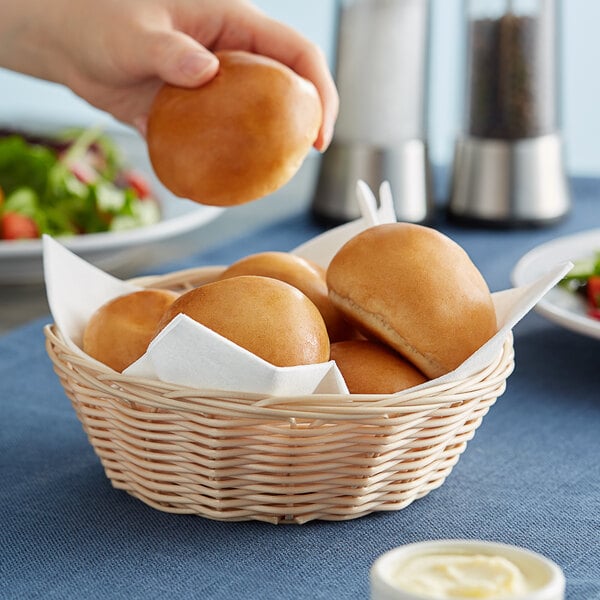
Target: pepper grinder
381	76
508	163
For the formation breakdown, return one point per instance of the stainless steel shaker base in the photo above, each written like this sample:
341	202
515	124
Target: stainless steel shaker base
405	167
509	183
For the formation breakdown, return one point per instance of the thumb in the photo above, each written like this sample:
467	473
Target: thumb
180	60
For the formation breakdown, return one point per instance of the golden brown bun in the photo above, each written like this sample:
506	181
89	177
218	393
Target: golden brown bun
371	368
267	317
416	290
119	332
307	276
240	137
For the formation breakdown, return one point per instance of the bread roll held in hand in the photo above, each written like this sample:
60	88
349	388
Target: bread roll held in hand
241	136
119	332
307	276
372	368
267	317
416	290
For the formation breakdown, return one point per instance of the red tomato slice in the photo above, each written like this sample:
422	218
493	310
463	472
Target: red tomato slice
593	291
138	183
14	226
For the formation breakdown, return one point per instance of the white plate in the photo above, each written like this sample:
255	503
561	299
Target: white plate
560	306
123	253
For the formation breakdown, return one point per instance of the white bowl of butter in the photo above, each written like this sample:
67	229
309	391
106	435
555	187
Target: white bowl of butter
465	569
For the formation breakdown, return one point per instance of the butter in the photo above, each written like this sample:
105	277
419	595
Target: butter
464	569
440	576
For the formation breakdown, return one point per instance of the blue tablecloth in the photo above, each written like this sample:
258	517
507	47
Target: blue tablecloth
531	475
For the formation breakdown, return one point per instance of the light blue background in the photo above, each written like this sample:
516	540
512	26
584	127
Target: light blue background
580	86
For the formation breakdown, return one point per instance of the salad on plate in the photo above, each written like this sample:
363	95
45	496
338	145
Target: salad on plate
584	279
75	183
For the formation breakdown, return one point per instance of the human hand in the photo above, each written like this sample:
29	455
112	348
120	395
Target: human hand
115	54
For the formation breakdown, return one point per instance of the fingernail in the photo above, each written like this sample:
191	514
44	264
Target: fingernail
326	138
141	124
197	64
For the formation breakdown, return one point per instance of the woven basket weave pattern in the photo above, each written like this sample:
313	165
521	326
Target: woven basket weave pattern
295	459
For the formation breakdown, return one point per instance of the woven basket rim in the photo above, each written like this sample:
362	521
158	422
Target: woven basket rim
182	397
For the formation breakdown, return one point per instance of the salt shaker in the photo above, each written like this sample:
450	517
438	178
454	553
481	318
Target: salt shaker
381	75
509	163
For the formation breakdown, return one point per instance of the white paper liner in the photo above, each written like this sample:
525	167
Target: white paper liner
187	353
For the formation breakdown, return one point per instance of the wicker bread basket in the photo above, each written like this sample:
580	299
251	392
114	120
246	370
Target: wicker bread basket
237	457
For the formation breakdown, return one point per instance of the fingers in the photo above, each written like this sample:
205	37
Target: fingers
320	76
278	41
179	60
